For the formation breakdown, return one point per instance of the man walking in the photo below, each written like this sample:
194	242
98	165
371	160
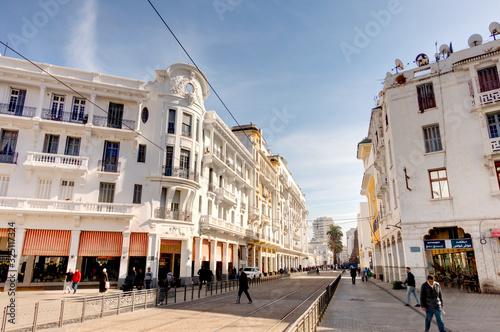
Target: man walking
77	276
353	275
67	282
243	287
431	299
148	278
410	283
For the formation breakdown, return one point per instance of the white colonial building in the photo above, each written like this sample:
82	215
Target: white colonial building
101	171
432	169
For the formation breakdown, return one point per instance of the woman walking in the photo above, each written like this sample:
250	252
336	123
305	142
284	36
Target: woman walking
103	282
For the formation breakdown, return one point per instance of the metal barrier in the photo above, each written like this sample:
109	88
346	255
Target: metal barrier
313	315
53	314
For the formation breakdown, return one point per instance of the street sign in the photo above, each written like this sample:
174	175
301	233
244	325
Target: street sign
495	232
461	244
434	244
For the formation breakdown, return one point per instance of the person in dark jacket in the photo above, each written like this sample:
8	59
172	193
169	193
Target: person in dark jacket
139	280
431	299
410	283
353	275
243	287
103	279
67	282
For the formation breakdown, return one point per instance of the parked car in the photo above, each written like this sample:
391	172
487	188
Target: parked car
252	272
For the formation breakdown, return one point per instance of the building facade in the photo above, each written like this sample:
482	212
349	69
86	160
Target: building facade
321	226
432	170
98	171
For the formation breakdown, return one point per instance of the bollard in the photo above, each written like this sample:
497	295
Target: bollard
175	294
35	317
4	319
146	299
119	302
133	300
192	291
157	296
185	292
102	306
61	315
83	309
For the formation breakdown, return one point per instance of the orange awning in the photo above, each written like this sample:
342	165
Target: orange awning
100	244
46	242
138	244
4	232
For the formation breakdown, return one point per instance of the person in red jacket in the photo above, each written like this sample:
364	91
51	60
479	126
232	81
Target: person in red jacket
77	276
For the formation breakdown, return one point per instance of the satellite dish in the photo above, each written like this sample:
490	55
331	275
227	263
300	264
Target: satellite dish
494	29
475	40
444	49
422	60
399	64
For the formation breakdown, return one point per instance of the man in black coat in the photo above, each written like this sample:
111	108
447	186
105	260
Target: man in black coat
353	275
410	283
243	287
431	299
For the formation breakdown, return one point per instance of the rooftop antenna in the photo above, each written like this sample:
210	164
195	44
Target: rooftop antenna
475	40
444	50
5	51
494	29
399	65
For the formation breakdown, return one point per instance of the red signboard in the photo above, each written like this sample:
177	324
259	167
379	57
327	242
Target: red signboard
495	232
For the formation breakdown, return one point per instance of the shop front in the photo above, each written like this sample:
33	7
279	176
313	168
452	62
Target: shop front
4	254
98	250
170	259
138	252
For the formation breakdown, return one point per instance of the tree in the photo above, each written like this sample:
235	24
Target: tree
335	234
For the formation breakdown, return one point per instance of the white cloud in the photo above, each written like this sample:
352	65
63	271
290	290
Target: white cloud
81	52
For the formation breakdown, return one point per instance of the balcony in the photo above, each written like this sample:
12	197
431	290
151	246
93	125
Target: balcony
254	213
56	160
178	172
107	167
251	235
8	157
226	197
495	145
488	92
73	117
209	222
25	111
186	133
265	219
102	121
172	214
23	204
243	206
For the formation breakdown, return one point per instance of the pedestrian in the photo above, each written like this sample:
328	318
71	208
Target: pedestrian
132	276
77	277
317	270
368	274
139	283
201	276
67	282
353	275
431	299
359	272
209	275
170	280
410	283
103	282
148	278
243	287
363	273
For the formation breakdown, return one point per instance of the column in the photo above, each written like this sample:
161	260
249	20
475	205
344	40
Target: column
153	258
224	260
38	112
259	261
90	107
73	250
186	262
197	258
236	264
396	265
122	274
266	261
213	260
254	261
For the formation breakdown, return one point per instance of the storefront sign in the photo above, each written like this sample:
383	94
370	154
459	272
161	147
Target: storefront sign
102	260
461	244
434	244
495	232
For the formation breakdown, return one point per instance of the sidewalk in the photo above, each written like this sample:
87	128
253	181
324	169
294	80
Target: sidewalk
375	306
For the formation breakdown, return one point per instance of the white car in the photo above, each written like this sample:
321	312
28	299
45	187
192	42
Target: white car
252	272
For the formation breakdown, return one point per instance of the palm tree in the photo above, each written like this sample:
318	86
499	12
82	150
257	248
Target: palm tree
335	241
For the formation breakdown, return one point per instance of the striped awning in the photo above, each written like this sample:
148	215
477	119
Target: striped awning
4	232
100	244
138	244
46	242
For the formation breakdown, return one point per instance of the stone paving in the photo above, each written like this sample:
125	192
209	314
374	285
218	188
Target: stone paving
375	306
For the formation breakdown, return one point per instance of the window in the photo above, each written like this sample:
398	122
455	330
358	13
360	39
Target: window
494	124
106	192
488	79
16	102
425	97
197	129
43	188
110	157
186	125
390	152
8	144
171	122
66	190
169	160
497	168
115	115
56	111
51	144
137	194
432	139
4	184
184	164
199	204
439	183
72	146
145	115
78	110
141	153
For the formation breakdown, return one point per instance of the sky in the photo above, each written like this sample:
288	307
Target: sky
305	72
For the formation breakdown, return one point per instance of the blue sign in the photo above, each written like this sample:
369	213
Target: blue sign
461	244
434	244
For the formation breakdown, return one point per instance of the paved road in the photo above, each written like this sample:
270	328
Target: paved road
271	303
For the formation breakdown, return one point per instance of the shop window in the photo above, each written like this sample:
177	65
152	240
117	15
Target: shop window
92	268
49	269
439	183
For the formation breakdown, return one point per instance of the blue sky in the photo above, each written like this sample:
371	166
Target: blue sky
305	72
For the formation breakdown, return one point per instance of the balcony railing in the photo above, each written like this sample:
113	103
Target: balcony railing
222	225
178	172
495	145
172	214
487	93
26	111
8	157
186	133
54	115
102	121
108	167
212	187
226	194
58	160
56	205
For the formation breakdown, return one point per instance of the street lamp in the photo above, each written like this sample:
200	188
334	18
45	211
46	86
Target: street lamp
399	223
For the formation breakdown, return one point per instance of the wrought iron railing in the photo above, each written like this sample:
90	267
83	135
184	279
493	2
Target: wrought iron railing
54	115
185	173
172	214
102	121
9	109
8	157
102	166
